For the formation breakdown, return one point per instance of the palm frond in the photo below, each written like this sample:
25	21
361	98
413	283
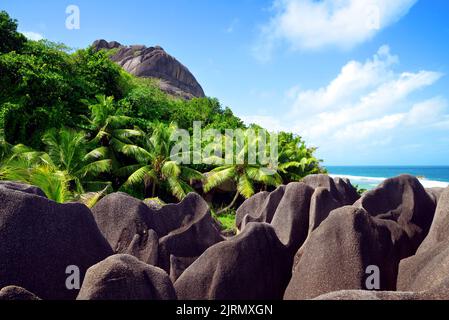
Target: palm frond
219	176
95	168
171	169
139	176
176	187
140	154
245	186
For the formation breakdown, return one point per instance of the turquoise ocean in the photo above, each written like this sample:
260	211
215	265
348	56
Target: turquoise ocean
368	177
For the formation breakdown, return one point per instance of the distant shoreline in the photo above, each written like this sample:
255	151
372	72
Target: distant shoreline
372	182
368	177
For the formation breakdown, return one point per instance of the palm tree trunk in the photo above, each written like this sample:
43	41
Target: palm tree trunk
153	192
231	204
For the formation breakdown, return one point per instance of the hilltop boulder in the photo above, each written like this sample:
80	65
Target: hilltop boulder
154	62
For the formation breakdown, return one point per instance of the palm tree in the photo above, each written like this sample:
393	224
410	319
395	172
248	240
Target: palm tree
110	130
63	171
244	175
34	168
155	168
68	151
296	160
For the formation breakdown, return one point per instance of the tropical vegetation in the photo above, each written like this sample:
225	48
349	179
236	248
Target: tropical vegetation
78	126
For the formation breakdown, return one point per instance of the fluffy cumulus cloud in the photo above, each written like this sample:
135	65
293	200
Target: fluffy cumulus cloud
311	24
35	36
368	103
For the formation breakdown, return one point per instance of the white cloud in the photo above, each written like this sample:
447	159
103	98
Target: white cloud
311	24
232	26
33	35
367	103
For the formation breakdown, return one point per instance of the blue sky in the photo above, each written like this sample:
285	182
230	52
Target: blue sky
365	81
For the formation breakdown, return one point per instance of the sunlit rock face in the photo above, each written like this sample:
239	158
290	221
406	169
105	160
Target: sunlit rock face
154	62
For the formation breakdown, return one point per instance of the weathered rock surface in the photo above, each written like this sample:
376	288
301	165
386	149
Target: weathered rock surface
440	292
251	207
425	270
185	229
154	62
145	247
371	295
252	266
291	219
260	208
39	239
22	187
120	218
13	293
190	240
340	189
435	193
439	230
178	265
337	255
124	277
404	200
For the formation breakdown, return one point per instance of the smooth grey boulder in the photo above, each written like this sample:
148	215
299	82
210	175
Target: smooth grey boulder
439	230
425	270
251	207
184	229
191	240
404	200
322	204
120	218
124	277
340	189
348	193
251	266
291	219
39	239
254	210
338	253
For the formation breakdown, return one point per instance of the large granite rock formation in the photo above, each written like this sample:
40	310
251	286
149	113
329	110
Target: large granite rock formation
405	201
338	254
154	62
39	239
124	277
184	230
252	266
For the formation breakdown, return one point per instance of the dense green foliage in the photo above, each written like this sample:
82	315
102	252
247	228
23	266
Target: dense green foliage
78	126
10	39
